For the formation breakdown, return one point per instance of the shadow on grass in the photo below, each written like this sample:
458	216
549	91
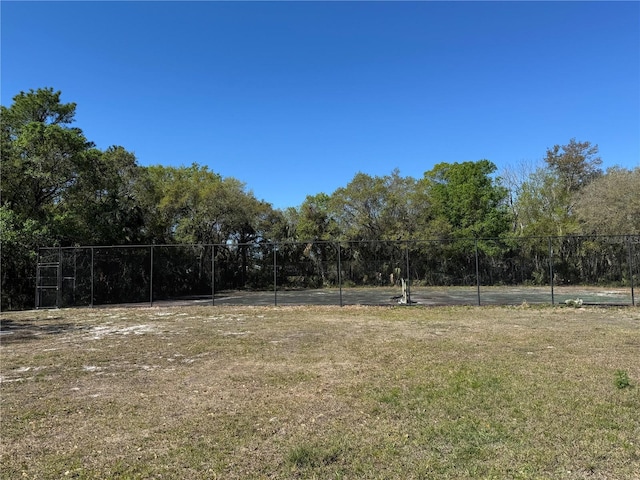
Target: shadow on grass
14	331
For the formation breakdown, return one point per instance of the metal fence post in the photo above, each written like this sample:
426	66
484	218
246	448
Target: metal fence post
477	270
340	273
38	278
59	283
91	300
275	275
553	302
151	278
406	247
631	269
213	274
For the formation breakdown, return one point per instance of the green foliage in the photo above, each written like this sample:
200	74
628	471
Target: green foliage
42	158
466	200
58	189
375	208
112	189
610	204
547	199
308	456
575	164
302	456
195	205
545	207
621	379
316	219
19	240
42	155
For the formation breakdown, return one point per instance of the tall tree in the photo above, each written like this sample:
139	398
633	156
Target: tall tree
42	155
546	201
190	204
196	205
466	200
544	206
375	208
316	219
282	225
575	164
42	159
514	177
610	205
111	190
317	224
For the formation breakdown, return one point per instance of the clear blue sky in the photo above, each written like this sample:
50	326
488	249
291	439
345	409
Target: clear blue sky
295	98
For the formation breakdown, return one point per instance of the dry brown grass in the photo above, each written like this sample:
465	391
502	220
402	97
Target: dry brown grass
320	392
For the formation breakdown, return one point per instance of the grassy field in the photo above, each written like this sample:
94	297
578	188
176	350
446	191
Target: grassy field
321	392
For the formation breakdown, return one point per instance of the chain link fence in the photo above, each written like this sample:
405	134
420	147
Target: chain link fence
597	270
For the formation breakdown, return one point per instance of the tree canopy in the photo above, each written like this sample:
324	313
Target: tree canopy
59	189
466	200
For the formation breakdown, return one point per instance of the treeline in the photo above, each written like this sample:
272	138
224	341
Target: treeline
59	189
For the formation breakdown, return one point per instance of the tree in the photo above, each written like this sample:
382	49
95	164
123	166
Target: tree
113	190
42	159
546	201
375	208
514	178
544	206
466	201
19	240
316	220
316	224
575	164
187	204
373	213
195	205
282	225
42	155
610	204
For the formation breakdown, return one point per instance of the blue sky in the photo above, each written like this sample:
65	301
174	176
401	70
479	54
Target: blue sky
295	98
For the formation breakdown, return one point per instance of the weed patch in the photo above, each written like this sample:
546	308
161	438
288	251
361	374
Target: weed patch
622	379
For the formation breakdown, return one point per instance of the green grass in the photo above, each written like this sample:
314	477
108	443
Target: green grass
321	392
622	379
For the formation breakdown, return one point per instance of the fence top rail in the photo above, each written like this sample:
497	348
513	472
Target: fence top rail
628	237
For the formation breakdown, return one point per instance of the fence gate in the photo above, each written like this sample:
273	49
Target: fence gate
49	279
